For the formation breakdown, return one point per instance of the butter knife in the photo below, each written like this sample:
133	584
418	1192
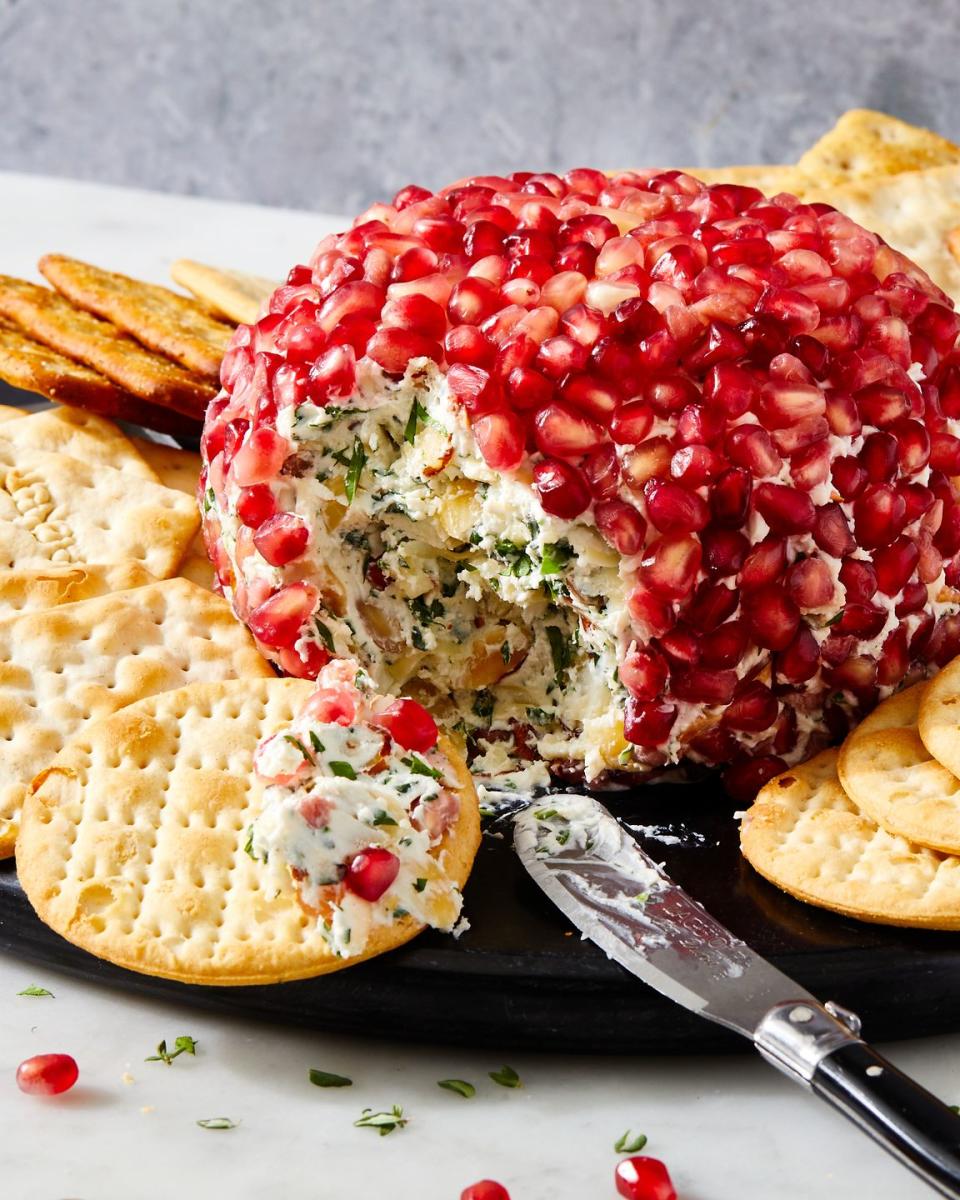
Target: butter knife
619	898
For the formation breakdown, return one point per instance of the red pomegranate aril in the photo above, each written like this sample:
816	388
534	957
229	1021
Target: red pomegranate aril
913	598
643	672
878	457
631	423
517	350
861	620
471	387
859	580
894	564
724	551
47	1074
673	509
416	312
560	355
724	647
651	614
306	662
592	228
483	238
784	509
796	311
501	439
371	873
333	375
648	723
278	620
750	446
560	488
414	263
930	562
913	445
304	342
810	583
255	505
842	414
711	606
894	659
731	388
472	301
564	291
670	566
621	526
466	344
849	477
578	256
765	563
669	394
730	497
856	674
771	616
649	458
800	659
945	453
394	349
408	723
744	779
589	395
602	469
486	1189
411	194
681	647
355	330
878	516
442	234
260	457
357	296
694	465
831	531
566	434
527	389
784	404
281	539
881	405
752	709
696	685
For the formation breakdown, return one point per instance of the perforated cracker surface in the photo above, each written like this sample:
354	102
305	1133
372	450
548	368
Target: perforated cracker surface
32	589
68	666
939	717
82	435
804	834
133	843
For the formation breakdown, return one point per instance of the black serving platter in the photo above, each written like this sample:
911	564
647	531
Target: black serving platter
519	977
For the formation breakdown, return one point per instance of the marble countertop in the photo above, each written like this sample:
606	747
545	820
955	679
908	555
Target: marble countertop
729	1128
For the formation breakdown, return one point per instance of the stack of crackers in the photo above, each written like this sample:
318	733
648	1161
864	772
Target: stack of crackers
872	830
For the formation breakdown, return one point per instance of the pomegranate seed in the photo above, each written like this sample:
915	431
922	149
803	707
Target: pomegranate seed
333	375
631	423
486	1189
560	355
694	465
673	509
750	446
643	672
393	348
411	194
831	531
810	583
880	405
359	296
711	606
409	724
471	387
800	660
878	516
564	291
371	873
278	620
306	662
472	301
414	263
670	566
752	709
621	526
651	614
744	779
731	388
646	460
648	723
849	478
559	431
561	488
842	415
465	344
913	598
602	469
501	439
730	497
281	539
784	509
784	404
725	646
724	551
698	686
894	564
859	580
879	457
47	1074
418	313
592	228
255	505
681	646
771	616
260	457
945	453
764	564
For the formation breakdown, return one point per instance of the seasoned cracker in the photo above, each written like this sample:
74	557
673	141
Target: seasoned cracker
132	844
68	666
82	435
892	778
54	508
804	834
161	319
50	318
24	589
233	295
866	145
939	717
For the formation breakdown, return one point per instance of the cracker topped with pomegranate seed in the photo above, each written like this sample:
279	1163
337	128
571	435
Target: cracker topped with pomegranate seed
142	842
616	471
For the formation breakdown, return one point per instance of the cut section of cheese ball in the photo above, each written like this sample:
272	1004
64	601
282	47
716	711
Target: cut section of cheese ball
611	472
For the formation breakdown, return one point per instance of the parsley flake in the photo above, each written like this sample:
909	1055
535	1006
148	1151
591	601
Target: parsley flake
383	1122
343	769
460	1086
483	704
218	1123
382	817
318	746
556	555
354	470
506	1077
34	990
630	1142
183	1045
418	886
418	416
416	764
324	634
327	1079
295	741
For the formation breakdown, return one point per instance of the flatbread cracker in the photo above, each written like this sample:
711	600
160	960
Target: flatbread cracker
161	319
893	779
50	318
866	145
233	295
804	834
34	589
54	508
132	844
939	718
180	469
68	666
913	212
82	435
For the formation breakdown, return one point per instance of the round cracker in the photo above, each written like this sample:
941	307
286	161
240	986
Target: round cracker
805	835
132	843
889	774
939	720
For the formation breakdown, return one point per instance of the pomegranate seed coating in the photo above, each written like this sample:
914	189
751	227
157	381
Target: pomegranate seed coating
752	405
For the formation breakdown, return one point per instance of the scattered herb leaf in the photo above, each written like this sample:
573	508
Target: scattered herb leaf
218	1123
34	990
384	1122
183	1045
506	1077
327	1079
630	1142
460	1086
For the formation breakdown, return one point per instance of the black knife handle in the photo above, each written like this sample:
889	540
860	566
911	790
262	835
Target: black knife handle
895	1111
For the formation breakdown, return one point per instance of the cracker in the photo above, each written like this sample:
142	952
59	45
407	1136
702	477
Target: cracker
25	589
161	319
82	435
54	508
29	365
47	316
132	844
233	295
890	775
914	213
939	718
865	144
65	667
805	835
180	469
9	411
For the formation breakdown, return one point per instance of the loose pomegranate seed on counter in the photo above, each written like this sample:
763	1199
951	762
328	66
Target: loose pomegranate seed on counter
47	1074
486	1189
643	1178
753	402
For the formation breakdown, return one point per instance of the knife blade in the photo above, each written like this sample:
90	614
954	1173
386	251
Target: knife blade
597	874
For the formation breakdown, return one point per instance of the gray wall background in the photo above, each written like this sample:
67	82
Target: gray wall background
328	104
